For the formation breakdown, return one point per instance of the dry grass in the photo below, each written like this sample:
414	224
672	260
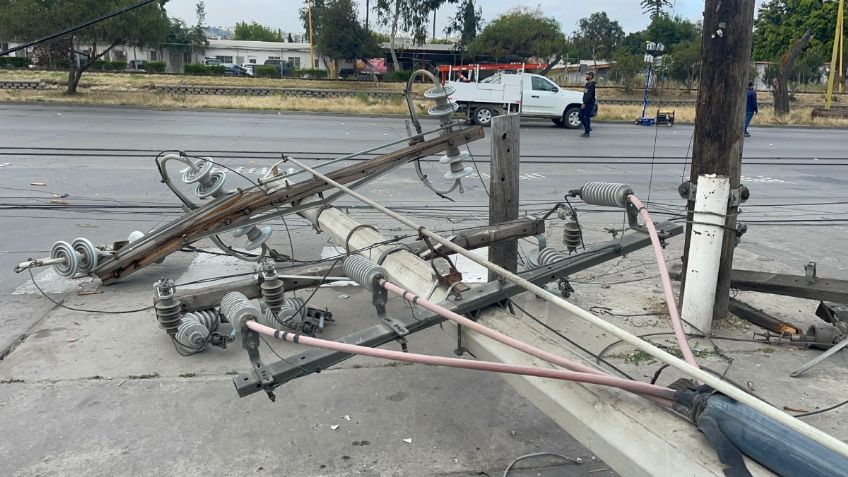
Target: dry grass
168	101
134	82
686	114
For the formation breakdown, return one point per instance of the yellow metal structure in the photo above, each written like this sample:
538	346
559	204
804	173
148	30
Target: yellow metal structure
838	53
312	40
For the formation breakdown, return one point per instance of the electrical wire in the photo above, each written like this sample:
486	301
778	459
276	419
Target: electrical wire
538	454
819	411
103	312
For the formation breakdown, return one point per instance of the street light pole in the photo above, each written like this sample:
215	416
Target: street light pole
655	52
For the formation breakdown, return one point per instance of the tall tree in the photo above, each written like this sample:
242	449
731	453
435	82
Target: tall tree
254	31
410	16
684	62
519	35
780	91
781	22
655	8
467	23
343	37
197	37
597	37
25	21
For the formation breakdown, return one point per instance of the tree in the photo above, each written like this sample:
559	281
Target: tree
148	25
627	68
780	22
289	39
597	36
780	91
410	16
343	37
656	8
254	31
519	35
467	23
684	62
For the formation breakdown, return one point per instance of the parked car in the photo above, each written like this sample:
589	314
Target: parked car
236	70
250	67
136	64
212	62
284	67
530	95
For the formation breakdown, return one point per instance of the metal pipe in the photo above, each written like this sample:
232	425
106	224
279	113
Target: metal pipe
552	373
661	355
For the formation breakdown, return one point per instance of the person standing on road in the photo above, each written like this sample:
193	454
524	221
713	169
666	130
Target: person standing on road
751	108
588	105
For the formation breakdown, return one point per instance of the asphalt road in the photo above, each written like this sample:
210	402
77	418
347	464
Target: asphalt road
100	182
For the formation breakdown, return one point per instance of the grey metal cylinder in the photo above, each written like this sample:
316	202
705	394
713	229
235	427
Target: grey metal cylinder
237	309
363	271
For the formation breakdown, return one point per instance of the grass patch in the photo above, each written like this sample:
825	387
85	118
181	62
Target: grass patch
232	372
351	105
767	350
187	375
686	114
638	357
11	381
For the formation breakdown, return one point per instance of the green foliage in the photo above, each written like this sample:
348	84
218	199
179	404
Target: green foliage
467	23
380	37
309	73
155	66
254	31
194	69
13	62
342	36
655	8
398	76
27	20
410	16
627	69
597	37
781	22
519	35
101	65
266	71
671	31
683	62
216	70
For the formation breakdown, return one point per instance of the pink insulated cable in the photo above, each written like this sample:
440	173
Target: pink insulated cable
603	380
676	322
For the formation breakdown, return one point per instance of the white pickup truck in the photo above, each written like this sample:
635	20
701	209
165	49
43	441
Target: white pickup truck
525	93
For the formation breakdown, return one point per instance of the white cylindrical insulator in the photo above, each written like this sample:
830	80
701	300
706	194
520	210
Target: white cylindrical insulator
548	255
437	93
446	159
167	307
256	236
237	309
211	186
607	194
200	174
706	241
70	266
88	255
192	335
292	314
135	235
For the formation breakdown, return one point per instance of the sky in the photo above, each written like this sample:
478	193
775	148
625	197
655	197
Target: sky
283	13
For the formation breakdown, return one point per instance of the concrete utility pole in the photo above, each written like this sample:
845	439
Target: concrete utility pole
719	118
503	186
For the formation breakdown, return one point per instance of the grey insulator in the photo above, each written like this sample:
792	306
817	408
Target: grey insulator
208	318
572	238
168	308
192	335
363	271
65	251
292	314
272	287
256	236
237	309
543	257
607	194
88	255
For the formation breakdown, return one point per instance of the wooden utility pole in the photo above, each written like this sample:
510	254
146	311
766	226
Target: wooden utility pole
719	118
503	186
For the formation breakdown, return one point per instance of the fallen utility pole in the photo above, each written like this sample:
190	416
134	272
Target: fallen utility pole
235	210
719	119
503	186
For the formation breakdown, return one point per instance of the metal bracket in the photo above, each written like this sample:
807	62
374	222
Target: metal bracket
379	297
688	191
250	342
810	272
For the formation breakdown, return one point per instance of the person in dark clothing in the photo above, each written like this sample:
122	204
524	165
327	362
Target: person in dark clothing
751	108
588	105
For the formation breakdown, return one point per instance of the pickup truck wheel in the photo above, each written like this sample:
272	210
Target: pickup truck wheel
483	116
558	122
572	118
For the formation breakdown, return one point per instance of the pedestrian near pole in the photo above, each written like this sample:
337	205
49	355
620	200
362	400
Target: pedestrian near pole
705	252
719	121
503	186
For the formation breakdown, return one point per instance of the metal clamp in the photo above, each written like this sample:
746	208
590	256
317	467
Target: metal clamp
250	342
379	297
738	196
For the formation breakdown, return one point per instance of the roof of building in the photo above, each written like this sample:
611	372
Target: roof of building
258	45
